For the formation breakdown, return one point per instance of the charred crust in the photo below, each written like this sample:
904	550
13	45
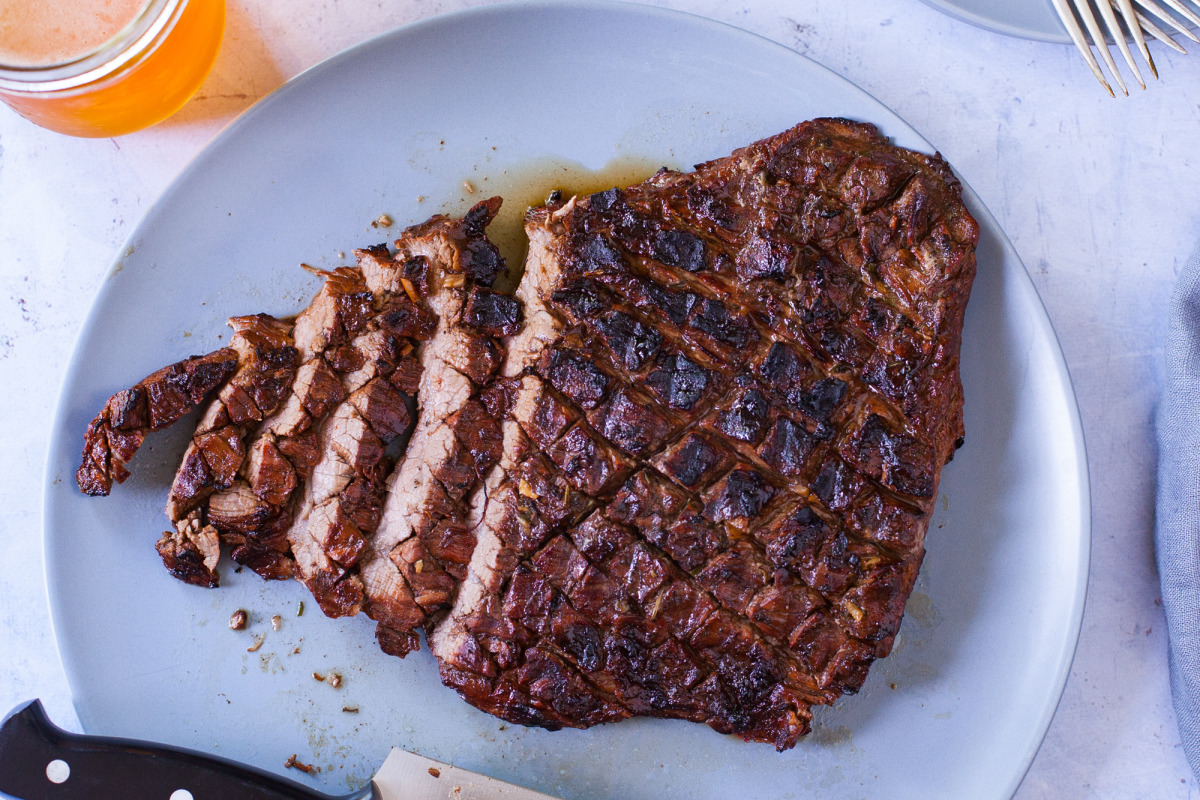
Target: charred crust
493	313
182	555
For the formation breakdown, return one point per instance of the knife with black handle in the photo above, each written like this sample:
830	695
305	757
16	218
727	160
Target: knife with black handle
40	761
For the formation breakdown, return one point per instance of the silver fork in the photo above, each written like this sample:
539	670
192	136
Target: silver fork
1131	23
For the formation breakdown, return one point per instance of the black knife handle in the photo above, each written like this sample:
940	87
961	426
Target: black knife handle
99	768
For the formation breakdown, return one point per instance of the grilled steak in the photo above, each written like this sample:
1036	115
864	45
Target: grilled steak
724	424
687	472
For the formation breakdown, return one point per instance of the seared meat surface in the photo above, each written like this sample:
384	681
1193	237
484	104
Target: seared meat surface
723	428
685	472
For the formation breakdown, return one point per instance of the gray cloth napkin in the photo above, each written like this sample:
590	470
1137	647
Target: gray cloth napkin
1177	530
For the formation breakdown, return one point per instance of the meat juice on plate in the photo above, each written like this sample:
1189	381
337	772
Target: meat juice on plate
525	186
105	67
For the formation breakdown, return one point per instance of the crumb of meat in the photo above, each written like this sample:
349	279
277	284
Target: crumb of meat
435	772
382	221
276	622
334	679
258	642
350	709
293	763
237	620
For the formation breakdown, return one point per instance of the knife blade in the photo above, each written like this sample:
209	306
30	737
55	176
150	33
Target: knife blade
408	776
40	761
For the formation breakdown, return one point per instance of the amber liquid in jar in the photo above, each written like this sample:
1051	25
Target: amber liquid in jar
105	67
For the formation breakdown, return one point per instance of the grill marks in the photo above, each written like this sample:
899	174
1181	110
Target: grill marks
724	441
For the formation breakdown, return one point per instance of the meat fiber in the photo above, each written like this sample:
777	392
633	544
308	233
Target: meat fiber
723	428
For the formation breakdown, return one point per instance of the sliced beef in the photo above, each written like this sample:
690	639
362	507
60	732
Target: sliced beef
349	407
266	366
152	404
414	561
284	447
288	465
724	423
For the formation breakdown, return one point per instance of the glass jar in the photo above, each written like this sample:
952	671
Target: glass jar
139	77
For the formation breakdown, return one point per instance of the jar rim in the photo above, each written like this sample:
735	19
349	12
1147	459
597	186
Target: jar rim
130	43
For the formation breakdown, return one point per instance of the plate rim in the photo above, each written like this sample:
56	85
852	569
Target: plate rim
953	9
59	435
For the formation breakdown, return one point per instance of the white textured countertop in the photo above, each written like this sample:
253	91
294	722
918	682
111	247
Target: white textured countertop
1097	195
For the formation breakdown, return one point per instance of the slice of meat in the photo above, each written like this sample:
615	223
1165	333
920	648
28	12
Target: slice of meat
723	428
266	366
323	462
190	552
150	405
414	561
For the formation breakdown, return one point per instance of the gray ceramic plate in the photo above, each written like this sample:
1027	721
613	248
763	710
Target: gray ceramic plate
504	98
1029	19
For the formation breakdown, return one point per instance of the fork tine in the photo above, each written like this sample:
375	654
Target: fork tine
1068	20
1187	13
1158	11
1135	30
1118	35
1089	20
1077	36
1157	32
